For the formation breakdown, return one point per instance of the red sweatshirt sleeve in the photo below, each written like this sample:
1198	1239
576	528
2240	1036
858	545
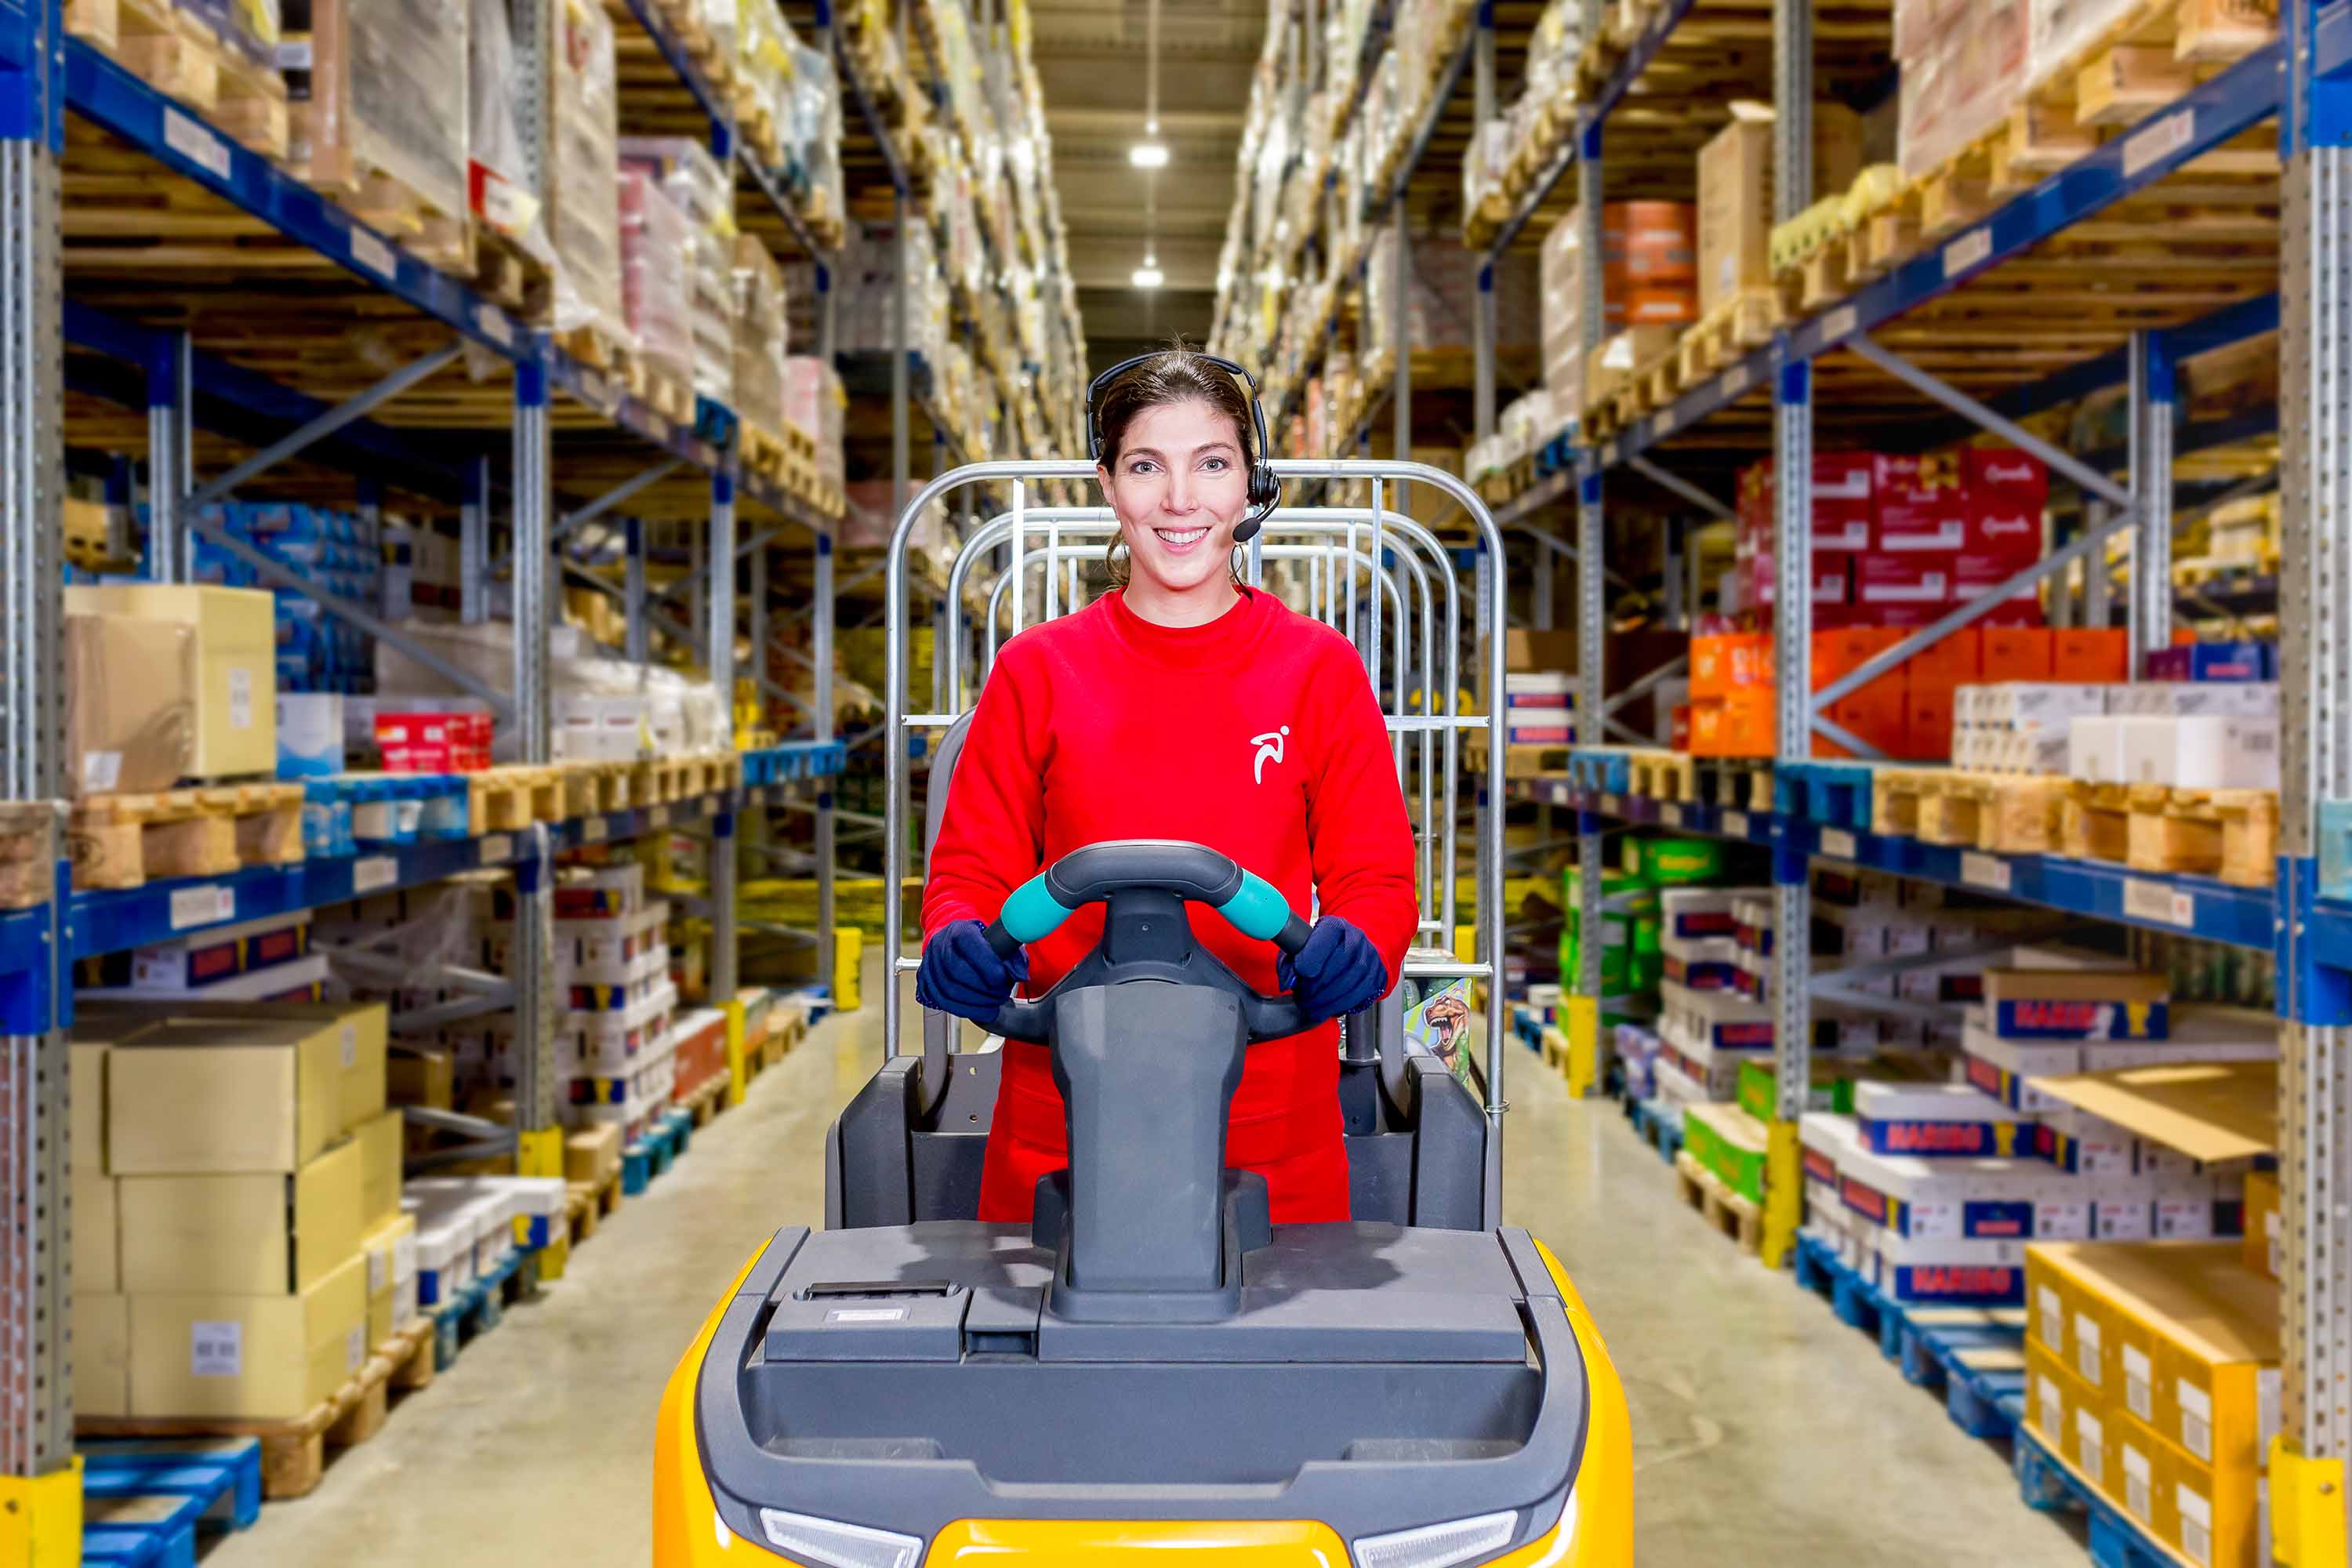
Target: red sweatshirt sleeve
1359	838
992	834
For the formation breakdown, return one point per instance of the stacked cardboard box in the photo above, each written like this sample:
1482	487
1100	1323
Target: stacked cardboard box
2206	719
584	184
224	640
2154	1371
815	406
240	1172
703	196
761	338
1735	194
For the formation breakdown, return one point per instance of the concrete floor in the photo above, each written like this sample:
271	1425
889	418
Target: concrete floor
1765	1432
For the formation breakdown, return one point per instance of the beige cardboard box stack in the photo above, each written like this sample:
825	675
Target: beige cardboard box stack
232	727
255	1177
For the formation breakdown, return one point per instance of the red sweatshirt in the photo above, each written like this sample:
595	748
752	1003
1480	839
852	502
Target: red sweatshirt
1259	735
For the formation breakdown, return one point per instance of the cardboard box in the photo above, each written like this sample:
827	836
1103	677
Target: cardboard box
593	1155
1735	193
2016	478
2092	656
2018	653
1919	504
415	1077
97	1233
254	1235
263	1358
2063	1005
203	1095
1974	575
101	1353
357	1031
1528	651
382	1144
2258	1246
1921	577
130	710
390	1249
234	727
86	1086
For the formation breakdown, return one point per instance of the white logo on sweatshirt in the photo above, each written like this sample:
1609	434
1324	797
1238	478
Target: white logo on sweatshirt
1269	748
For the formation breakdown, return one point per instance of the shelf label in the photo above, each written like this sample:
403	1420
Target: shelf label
492	322
1971	249
1840	323
2159	141
1735	822
374	872
1664	424
498	849
1612	805
1671	815
657	816
1735	380
2157	901
594	830
1987	871
196	145
1839	844
374	255
202	905
591	391
1609	454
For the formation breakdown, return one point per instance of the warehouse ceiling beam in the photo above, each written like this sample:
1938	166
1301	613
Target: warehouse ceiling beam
345	413
1683	487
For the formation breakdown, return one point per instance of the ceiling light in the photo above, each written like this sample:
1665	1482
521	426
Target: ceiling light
1149	275
1148	156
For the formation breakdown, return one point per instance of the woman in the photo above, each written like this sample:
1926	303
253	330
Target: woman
1180	705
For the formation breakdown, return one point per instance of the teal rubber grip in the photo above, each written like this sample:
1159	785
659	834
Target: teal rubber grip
1256	909
1032	913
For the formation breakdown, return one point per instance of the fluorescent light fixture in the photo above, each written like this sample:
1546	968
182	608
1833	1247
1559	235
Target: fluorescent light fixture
1149	154
1148	275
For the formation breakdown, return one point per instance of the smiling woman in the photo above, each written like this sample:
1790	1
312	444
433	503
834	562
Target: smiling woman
1186	705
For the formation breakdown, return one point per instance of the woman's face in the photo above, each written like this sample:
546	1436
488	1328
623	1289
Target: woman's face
1180	490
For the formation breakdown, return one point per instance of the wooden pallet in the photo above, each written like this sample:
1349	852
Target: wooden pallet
2231	834
1733	1213
1520	762
509	276
172	52
761	450
588	1205
668	397
707	1100
395	209
1735	783
1742	323
502	799
28	874
294	1452
128	840
2013	813
1664	775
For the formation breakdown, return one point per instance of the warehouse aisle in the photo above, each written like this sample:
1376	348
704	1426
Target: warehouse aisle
1787	1442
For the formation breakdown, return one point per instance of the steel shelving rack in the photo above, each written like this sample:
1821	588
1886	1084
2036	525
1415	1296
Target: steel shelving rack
2303	80
44	76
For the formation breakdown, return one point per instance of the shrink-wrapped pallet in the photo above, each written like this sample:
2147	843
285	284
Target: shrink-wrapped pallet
655	238
695	183
1961	82
500	193
251	27
813	403
384	118
585	185
761	340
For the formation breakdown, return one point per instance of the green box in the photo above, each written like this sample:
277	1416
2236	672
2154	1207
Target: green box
1833	1089
1730	1143
1674	862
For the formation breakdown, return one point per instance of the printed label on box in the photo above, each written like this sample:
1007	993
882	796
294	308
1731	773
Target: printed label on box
100	769
2090	1442
351	1045
240	698
2053	1318
216	1348
2053	1405
355	1349
2139	1387
2196	1525
2086	1348
2136	1483
378	1269
2195	1421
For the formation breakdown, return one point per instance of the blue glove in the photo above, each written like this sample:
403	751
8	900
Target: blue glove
1336	972
960	973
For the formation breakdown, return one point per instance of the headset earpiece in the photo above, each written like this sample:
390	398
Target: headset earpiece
1265	487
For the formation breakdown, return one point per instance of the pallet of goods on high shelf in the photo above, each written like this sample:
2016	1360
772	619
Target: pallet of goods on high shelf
590	312
379	119
1996	98
219	58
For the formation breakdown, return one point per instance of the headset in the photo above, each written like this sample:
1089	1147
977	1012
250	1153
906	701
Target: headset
1265	488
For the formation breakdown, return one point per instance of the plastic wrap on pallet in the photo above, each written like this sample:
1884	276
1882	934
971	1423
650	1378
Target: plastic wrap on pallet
696	183
251	27
1961	82
761	341
585	174
814	404
500	190
655	239
388	95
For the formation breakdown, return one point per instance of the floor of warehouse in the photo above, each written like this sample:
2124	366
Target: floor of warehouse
1765	1432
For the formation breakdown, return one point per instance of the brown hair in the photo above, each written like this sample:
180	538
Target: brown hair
1179	375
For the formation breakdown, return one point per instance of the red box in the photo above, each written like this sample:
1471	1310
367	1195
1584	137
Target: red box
1918	505
2090	656
2018	477
433	743
1915	579
2017	653
1975	575
1928	726
1843	484
1832	580
2001	529
1678	729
